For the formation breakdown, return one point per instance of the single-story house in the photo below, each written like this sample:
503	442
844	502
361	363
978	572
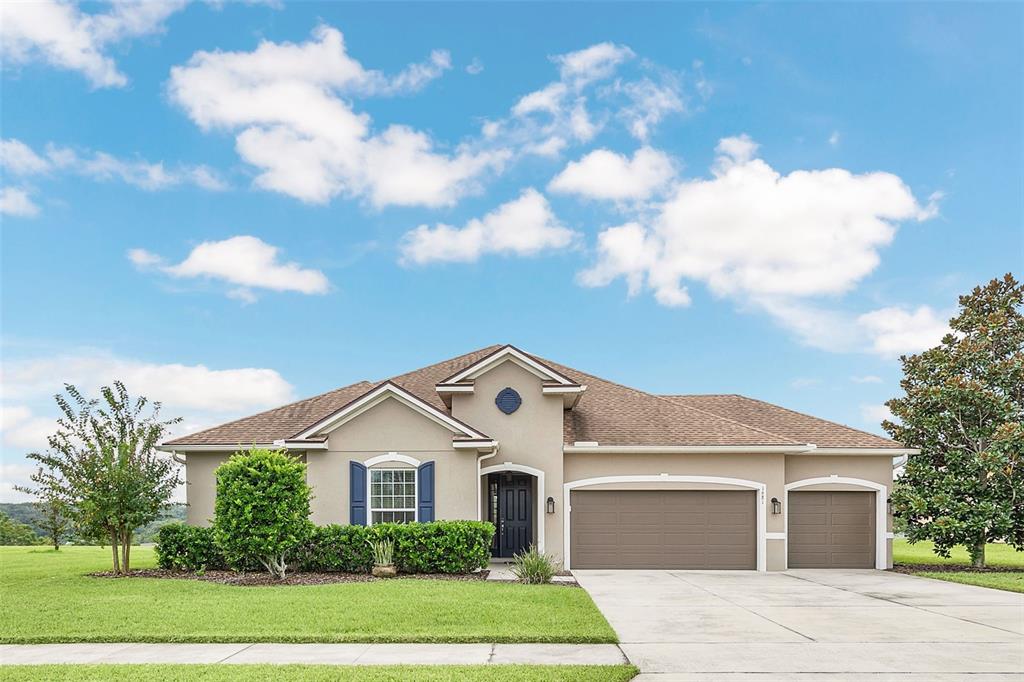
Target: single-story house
595	473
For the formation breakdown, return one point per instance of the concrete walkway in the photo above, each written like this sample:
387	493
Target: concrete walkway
332	654
832	625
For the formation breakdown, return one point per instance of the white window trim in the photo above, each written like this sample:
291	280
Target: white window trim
541	494
486	364
881	511
369	494
757	486
391	457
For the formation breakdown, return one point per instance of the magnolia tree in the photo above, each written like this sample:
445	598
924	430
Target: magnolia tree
102	467
261	512
963	406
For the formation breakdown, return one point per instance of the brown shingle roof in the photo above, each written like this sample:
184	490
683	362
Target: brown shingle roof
608	413
796	425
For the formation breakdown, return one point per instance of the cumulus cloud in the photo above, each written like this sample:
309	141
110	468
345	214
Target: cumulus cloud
866	379
22	429
649	104
894	331
523	227
15	201
593	63
179	387
603	174
764	239
244	261
65	37
17	158
290	106
875	414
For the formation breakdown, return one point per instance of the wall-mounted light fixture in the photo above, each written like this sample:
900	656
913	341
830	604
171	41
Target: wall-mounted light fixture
776	506
551	505
888	504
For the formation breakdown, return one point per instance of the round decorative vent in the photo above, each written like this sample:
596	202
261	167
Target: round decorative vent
508	400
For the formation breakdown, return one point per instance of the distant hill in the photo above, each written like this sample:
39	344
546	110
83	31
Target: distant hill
25	512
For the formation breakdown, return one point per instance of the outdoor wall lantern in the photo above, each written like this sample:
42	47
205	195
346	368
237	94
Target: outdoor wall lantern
551	505
888	504
776	506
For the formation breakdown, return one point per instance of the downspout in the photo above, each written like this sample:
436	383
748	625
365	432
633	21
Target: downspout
479	497
177	458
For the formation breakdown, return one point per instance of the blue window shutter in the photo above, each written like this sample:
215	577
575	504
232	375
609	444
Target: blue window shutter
425	492
357	494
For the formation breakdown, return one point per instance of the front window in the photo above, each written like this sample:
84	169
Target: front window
392	495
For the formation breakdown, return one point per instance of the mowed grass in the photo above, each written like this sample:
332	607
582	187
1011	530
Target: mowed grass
996	555
46	596
319	673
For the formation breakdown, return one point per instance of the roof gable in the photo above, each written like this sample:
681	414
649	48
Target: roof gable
508	353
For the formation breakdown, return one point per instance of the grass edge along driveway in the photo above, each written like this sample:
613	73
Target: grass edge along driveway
46	596
319	673
920	556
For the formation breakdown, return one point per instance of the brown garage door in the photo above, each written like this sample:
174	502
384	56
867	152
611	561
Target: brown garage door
663	529
831	530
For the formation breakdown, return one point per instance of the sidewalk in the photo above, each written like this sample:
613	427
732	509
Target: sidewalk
331	654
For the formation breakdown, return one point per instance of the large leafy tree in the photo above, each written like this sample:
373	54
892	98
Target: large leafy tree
103	468
963	406
14	533
54	519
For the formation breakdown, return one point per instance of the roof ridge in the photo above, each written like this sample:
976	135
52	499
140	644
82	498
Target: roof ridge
492	348
675	405
811	416
272	409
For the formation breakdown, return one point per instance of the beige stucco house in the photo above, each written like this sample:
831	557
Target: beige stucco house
597	474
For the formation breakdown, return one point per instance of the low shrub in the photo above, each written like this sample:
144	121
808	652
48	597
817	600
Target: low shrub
435	547
188	548
337	548
532	567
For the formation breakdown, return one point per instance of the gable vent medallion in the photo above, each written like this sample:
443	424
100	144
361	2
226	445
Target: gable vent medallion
508	400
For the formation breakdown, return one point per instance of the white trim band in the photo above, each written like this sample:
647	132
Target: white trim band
688	449
391	457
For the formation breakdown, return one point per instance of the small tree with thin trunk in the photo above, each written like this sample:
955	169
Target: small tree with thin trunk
54	519
963	406
103	468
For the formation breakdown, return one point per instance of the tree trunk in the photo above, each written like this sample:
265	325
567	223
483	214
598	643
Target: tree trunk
978	554
127	551
113	548
56	543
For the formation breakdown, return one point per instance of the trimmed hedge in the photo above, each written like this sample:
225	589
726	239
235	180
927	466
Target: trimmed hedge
188	548
435	547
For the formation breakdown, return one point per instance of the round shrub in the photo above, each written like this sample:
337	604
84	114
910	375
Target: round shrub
262	508
187	548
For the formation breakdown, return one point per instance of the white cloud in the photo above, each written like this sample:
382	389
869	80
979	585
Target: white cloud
834	138
245	261
290	106
805	382
15	201
62	35
179	387
593	63
894	331
650	103
12	475
875	414
17	158
603	174
752	233
524	227
866	379
475	67
22	429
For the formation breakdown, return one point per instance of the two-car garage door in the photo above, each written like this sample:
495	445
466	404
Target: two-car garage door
686	529
716	529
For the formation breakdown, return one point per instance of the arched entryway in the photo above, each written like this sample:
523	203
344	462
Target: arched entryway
514	503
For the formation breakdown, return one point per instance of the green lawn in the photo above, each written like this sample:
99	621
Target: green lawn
319	673
996	555
45	596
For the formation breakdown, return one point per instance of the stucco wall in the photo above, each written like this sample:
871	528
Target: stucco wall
391	426
530	436
201	485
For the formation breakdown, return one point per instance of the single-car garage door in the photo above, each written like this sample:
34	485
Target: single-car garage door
831	529
688	529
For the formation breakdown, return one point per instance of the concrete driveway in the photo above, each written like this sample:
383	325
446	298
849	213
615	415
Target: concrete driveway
829	625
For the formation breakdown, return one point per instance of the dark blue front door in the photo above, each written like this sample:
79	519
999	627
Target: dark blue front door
512	513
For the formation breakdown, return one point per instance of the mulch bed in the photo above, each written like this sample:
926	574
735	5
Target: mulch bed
258	579
951	568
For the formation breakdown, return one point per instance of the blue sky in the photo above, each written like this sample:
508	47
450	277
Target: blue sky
233	206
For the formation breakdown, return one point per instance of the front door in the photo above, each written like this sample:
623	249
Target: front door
511	513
